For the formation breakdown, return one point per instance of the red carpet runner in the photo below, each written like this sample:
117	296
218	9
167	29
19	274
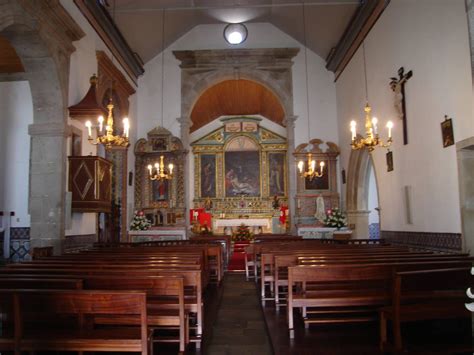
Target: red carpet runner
237	261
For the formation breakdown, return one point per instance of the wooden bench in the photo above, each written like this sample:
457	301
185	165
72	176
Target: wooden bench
165	302
42	320
425	295
346	294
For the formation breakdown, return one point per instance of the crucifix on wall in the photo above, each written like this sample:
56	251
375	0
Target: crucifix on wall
398	87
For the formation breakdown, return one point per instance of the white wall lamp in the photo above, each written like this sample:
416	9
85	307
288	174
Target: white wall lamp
235	33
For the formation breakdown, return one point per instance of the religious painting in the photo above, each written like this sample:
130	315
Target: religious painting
160	190
318	183
208	176
242	173
447	132
276	173
389	158
159	144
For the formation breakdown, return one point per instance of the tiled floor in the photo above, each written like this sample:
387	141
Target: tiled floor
239	327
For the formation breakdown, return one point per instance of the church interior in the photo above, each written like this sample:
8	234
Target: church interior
236	176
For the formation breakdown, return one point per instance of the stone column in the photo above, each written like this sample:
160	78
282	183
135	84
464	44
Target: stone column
358	221
290	136
47	183
186	124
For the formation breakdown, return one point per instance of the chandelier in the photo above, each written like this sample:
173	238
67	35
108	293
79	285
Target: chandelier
371	139
161	173
108	139
311	172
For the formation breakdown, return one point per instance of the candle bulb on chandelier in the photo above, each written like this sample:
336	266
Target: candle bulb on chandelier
150	169
126	126
300	166
157	167
89	128
101	122
171	166
313	165
389	126
353	129
374	124
321	166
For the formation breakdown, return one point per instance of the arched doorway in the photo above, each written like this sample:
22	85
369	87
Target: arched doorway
362	195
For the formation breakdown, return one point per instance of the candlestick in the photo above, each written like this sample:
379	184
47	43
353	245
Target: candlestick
126	126
389	126
101	122
353	129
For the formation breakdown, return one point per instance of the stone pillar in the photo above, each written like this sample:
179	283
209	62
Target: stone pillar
186	124
290	136
47	183
358	221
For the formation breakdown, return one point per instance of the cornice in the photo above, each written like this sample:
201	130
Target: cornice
360	25
105	27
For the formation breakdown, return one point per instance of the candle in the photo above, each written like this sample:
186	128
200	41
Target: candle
313	164
389	126
101	122
374	124
300	166
321	166
126	126
353	129
150	169
89	128
171	166
157	167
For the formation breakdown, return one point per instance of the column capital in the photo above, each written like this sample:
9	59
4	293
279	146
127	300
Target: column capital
50	129
289	121
185	121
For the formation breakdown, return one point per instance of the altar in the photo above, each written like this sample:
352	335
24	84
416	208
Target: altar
158	234
257	225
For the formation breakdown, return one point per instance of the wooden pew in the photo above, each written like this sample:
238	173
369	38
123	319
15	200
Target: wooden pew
40	325
192	282
422	295
370	292
165	302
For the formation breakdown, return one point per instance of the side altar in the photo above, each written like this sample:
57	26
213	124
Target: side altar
162	200
241	176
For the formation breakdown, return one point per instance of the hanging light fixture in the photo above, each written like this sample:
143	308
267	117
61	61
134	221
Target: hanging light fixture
161	171
235	33
108	139
371	139
311	172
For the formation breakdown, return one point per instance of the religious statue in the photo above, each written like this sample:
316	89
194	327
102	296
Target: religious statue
320	210
208	204
276	202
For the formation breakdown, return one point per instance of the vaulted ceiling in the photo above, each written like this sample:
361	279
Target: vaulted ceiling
9	60
140	21
236	97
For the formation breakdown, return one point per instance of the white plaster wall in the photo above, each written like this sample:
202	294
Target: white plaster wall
322	93
429	37
83	65
373	200
16	113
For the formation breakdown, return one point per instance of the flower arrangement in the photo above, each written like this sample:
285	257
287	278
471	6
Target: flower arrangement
242	234
139	222
335	219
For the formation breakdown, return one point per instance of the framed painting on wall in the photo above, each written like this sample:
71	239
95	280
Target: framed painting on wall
447	132
242	173
208	176
276	174
160	190
318	183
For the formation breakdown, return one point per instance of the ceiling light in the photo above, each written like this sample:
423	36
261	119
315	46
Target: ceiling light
235	33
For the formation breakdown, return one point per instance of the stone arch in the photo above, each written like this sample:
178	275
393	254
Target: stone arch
357	192
32	29
190	97
270	67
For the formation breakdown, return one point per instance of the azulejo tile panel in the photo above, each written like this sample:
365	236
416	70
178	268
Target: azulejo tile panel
446	242
20	244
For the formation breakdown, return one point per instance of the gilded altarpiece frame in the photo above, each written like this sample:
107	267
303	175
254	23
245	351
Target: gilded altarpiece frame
169	204
226	139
